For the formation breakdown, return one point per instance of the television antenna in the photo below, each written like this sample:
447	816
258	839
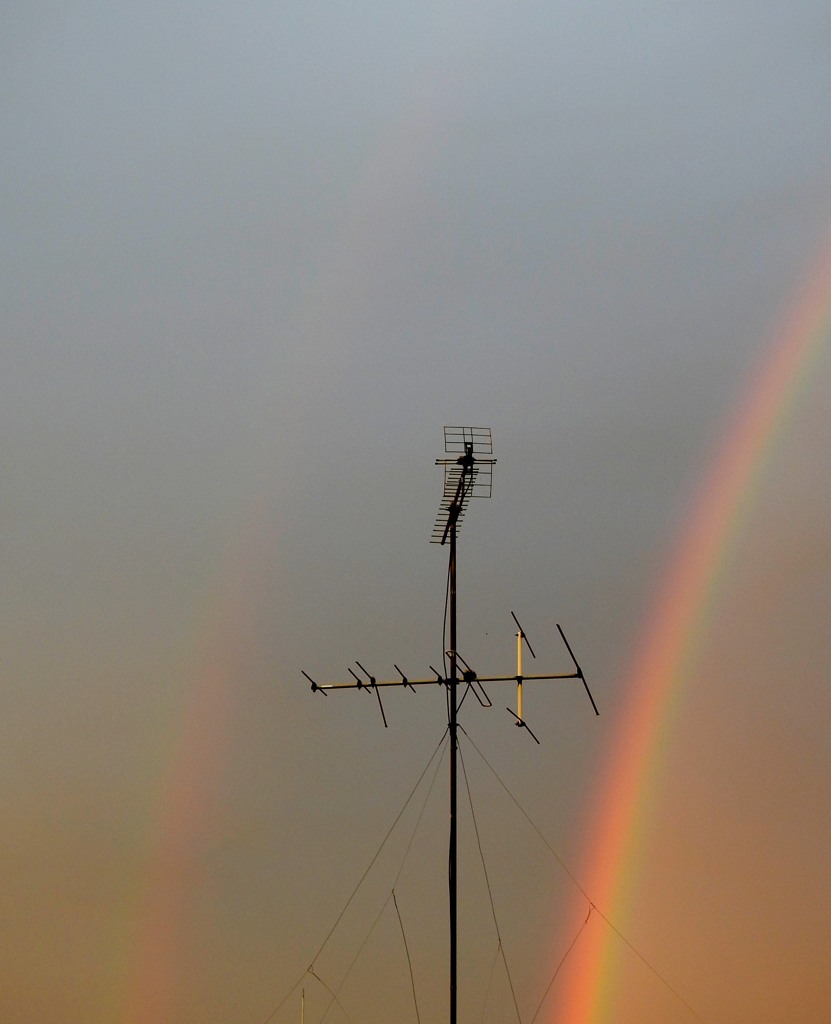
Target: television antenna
467	475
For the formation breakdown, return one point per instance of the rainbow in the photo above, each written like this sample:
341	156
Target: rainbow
191	776
391	174
681	613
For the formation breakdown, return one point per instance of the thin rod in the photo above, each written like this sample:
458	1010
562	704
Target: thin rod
519	674
453	754
438	680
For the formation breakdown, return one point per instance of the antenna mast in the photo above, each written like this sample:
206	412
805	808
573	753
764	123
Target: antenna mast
468	474
460	483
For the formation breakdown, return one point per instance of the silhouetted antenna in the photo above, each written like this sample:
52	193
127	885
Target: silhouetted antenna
467	474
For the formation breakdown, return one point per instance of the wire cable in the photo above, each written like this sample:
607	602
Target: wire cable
584	893
354	960
385	904
530	821
572	944
420	814
463	494
310	969
332	994
380	848
444	620
488	886
407	951
490	979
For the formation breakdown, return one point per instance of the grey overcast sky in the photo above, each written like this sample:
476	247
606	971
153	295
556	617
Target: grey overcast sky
255	256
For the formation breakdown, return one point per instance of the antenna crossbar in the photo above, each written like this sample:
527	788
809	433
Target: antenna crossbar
436	680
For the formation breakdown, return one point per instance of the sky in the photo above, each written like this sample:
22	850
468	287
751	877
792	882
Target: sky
255	257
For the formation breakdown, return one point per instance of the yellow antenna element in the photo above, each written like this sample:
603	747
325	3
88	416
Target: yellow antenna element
520	636
519	675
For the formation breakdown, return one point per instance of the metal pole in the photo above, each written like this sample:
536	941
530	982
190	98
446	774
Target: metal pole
453	749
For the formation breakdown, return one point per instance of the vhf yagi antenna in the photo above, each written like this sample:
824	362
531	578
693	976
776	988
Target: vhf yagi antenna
468	472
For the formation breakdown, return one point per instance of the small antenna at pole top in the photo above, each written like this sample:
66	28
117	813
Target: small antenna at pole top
475	441
468	475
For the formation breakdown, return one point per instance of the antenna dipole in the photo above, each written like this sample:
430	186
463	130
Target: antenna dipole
469	474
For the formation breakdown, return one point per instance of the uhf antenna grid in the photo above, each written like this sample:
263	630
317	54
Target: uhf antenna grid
478	442
467	473
456	440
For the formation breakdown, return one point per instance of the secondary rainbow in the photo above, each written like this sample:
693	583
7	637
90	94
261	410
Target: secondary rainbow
189	781
391	175
682	609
